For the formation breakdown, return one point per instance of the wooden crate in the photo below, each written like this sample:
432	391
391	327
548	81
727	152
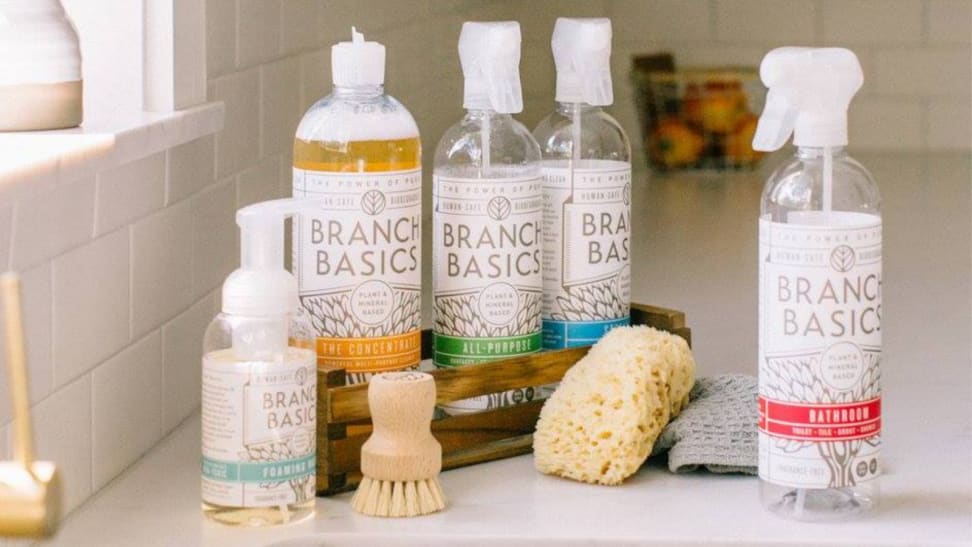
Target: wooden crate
343	423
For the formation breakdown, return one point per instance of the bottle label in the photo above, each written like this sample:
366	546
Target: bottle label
258	430
358	266
586	252
820	349
487	274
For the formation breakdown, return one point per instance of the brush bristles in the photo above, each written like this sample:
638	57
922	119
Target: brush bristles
398	498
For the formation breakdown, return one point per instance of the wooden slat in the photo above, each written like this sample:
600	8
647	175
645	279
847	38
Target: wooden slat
455	433
452	384
658	317
496	450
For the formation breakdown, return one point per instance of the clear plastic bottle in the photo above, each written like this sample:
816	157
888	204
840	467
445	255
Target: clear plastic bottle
587	193
819	296
794	194
259	386
487	218
359	260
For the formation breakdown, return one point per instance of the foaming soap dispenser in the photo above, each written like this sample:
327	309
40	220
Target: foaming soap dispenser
586	193
259	385
819	295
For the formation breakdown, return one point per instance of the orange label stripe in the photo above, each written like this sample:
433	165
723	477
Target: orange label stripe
371	354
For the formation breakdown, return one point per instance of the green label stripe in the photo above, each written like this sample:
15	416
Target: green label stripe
454	351
283	470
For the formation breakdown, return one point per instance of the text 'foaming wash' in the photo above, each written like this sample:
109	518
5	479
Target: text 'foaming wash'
358	260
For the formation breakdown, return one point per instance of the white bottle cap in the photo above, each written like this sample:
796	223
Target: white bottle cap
809	92
261	286
357	63
582	53
490	57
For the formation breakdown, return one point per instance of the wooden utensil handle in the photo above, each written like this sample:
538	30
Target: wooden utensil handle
17	368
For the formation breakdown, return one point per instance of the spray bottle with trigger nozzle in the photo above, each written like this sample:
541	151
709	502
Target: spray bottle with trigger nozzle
819	295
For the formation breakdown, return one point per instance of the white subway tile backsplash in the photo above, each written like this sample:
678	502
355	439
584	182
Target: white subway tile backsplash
259	183
47	225
129	192
876	122
126	396
257	31
949	124
182	342
782	22
161	267
923	72
669	21
220	36
190	168
280	105
35	299
62	429
91	305
214	235
950	22
238	144
315	77
855	22
300	30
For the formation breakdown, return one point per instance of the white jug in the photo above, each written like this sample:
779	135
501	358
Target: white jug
40	67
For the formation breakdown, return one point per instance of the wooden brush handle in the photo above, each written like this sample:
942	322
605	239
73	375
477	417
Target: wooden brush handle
401	446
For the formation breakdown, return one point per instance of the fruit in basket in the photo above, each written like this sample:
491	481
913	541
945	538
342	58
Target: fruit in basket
692	105
674	144
723	104
739	144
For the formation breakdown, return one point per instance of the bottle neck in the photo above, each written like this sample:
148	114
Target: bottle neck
817	152
359	91
569	109
481	114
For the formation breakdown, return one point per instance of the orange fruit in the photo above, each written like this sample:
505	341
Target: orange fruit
739	144
674	144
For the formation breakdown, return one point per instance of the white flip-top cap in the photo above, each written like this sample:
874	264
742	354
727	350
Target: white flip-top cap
490	57
810	90
582	53
357	63
261	286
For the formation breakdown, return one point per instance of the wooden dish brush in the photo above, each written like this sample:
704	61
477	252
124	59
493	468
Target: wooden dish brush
401	461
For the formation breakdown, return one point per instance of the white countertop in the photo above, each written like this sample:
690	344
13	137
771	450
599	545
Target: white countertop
695	249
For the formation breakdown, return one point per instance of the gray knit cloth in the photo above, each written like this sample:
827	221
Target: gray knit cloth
717	430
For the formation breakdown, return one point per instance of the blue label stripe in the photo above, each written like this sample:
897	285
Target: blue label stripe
277	471
571	334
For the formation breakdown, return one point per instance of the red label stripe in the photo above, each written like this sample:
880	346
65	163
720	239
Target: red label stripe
820	422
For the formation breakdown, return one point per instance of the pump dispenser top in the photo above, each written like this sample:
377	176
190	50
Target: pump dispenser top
582	54
262	286
490	57
810	90
357	63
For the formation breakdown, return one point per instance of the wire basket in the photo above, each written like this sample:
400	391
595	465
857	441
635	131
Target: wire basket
699	118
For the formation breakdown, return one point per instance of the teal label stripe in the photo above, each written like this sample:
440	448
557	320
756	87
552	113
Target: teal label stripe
571	334
283	470
454	351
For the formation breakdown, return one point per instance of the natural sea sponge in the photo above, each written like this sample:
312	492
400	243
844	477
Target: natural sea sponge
600	424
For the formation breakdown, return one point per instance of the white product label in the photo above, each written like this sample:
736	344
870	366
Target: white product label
820	349
487	273
358	265
258	430
586	251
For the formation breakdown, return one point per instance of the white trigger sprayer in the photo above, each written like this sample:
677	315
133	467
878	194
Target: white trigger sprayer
810	90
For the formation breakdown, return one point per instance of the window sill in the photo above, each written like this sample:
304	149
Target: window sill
32	162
